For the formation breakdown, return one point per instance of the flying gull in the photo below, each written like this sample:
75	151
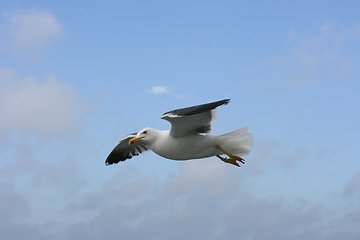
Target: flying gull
186	139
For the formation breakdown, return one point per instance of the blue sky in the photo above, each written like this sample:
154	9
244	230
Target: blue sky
77	76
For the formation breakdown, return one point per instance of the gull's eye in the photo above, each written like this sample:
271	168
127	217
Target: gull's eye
144	132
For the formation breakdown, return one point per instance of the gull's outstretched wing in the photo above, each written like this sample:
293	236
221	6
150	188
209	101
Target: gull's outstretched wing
124	150
193	120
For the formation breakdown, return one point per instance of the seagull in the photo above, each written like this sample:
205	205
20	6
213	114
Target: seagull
187	138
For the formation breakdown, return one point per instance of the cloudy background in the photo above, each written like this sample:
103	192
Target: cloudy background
77	76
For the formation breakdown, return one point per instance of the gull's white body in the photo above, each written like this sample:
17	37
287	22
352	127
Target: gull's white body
187	138
184	148
196	146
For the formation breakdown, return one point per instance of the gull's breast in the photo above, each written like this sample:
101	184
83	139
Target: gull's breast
185	148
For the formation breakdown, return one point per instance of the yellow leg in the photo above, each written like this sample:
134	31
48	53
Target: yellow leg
232	159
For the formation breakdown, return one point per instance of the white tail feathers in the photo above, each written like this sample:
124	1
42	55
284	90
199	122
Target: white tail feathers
238	142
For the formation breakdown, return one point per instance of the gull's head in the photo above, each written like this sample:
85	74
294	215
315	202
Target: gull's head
146	135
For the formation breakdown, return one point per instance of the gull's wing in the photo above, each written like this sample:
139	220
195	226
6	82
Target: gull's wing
124	150
193	120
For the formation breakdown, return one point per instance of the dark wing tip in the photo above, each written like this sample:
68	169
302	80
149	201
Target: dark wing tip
199	108
115	157
124	151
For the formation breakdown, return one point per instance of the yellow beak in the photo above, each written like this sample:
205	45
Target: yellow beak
134	140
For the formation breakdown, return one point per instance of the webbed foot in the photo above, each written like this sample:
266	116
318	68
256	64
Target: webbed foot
232	159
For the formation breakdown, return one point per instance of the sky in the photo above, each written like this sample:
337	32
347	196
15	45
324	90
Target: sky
78	76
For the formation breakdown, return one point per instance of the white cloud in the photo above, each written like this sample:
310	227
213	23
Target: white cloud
32	29
158	90
159	216
208	201
215	178
271	154
45	109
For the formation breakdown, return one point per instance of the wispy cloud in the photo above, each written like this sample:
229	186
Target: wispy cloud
158	90
323	52
191	200
42	108
33	29
163	89
353	186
